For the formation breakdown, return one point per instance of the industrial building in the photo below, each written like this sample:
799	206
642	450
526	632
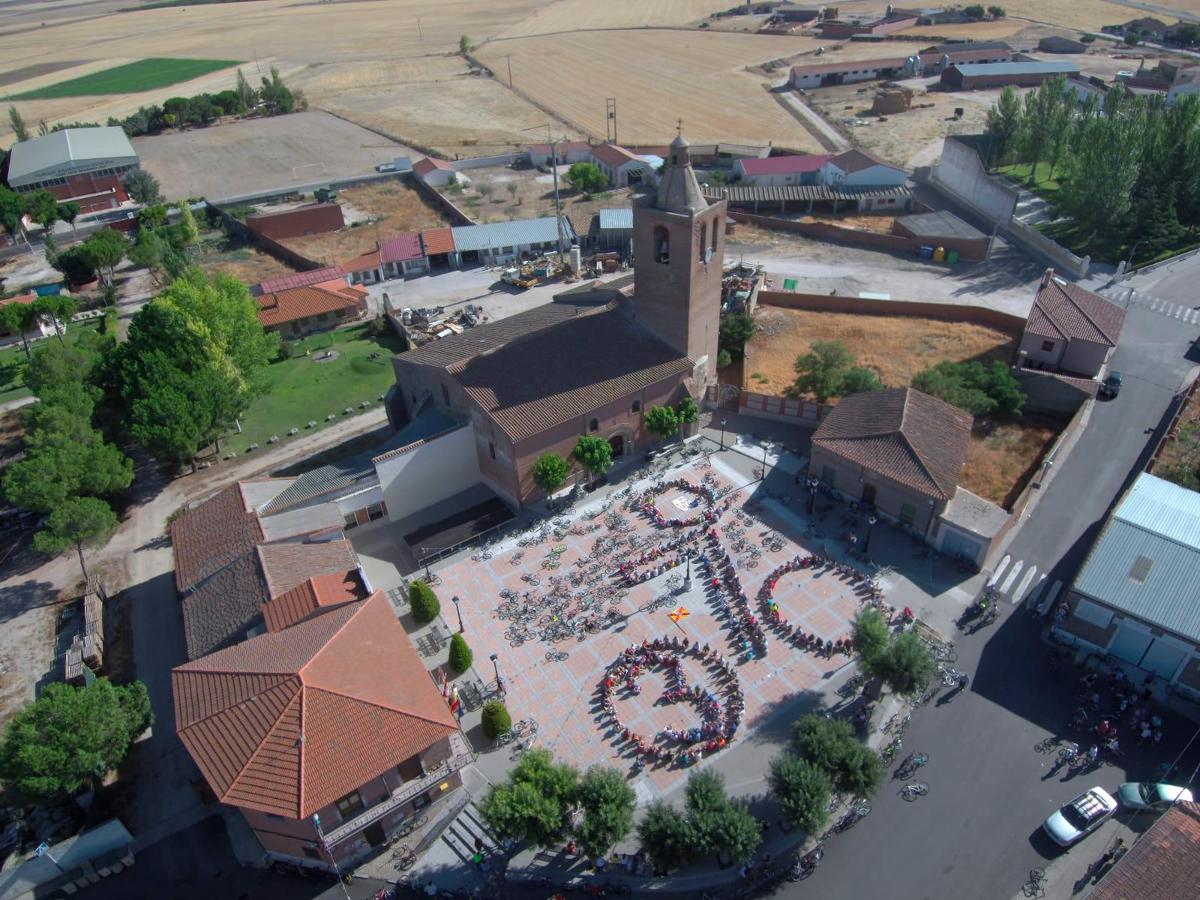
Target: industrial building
503	242
978	76
927	62
80	165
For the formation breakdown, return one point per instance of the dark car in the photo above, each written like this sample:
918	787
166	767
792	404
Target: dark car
1112	385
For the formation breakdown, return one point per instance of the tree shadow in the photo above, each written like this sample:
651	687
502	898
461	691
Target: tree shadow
19	599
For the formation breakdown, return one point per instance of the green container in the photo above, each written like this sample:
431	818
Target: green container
789	284
952	256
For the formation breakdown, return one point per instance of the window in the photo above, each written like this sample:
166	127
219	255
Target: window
662	244
703	241
594	425
637	406
716	227
1047	346
350	805
445	396
375	512
908	513
491	450
828	475
350	520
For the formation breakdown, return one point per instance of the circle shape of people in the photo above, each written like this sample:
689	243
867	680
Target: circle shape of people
706	502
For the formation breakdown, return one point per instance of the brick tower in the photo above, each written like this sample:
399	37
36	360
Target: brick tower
679	247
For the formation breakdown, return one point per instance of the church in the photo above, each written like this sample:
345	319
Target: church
591	361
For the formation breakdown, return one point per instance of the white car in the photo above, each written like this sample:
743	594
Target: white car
1147	795
1080	817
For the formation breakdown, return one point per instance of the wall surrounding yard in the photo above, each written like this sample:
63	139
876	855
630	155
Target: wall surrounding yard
950	312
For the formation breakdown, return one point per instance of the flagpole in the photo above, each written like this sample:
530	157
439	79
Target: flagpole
329	852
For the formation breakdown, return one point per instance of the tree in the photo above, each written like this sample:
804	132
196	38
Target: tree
608	804
828	370
871	634
859	380
59	309
424	602
688	411
737	832
705	803
662	421
247	96
974	11
1004	125
461	656
142	186
188	233
12	208
532	805
41	207
908	665
666	838
148	252
76	523
66	740
17	123
735	330
802	790
587	177
69	212
464	44
550	472
593	453
20	318
494	719
486	189
716	178
971	386
830	745
996	12
105	249
513	188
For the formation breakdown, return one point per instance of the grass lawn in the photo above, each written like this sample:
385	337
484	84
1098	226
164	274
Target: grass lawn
12	361
301	389
1047	184
131	78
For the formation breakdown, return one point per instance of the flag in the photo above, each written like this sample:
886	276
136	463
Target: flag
680	613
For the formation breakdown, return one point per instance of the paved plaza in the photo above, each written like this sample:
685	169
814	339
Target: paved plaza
584	553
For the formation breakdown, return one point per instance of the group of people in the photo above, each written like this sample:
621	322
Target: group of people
1127	703
683	747
731	600
630	570
649	504
794	633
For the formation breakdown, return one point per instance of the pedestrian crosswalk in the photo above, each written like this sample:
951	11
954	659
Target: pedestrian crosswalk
1128	297
1021	581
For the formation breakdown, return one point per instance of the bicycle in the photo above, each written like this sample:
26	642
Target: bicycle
889	752
909	767
408	826
1047	745
403	858
911	792
860	809
556	655
807	864
1034	887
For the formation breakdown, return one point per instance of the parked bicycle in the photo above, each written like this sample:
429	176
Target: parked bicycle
1035	886
807	864
908	768
1048	745
403	858
858	811
911	792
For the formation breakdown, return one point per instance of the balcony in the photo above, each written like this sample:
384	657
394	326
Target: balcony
460	757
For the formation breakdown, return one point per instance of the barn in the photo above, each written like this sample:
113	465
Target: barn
80	165
978	76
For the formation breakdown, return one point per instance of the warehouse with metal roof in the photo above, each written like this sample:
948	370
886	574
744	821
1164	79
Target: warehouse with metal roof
1137	595
84	165
502	242
977	76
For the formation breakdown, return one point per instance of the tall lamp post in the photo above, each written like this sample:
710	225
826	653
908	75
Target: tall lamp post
458	612
811	483
871	520
496	668
723	421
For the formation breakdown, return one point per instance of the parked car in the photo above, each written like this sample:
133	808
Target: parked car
1112	385
1080	817
1147	795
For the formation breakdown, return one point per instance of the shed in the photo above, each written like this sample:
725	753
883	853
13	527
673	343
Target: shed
614	229
977	76
1058	44
944	229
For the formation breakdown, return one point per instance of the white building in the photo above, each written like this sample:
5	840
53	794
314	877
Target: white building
856	168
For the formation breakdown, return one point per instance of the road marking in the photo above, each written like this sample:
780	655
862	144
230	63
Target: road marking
1031	595
999	569
1030	574
1012	575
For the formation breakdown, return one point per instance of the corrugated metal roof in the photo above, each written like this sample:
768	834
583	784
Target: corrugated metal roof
1015	68
78	145
767	193
495	235
1146	562
619	219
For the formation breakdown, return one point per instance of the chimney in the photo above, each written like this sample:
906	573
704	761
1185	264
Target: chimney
1046	277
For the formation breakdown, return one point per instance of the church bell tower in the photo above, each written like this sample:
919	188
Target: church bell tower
679	248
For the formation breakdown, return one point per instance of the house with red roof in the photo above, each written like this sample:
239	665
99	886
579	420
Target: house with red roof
297	311
434	172
774	171
397	257
1069	329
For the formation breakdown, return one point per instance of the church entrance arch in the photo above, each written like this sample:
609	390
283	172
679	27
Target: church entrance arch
621	442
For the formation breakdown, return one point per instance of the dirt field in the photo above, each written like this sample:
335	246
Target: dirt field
579	15
534	197
657	78
262	154
1002	456
392	206
244	262
894	347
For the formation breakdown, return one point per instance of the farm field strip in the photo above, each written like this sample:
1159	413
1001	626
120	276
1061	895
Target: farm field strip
131	78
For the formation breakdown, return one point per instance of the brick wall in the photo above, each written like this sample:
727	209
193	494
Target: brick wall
951	312
317	219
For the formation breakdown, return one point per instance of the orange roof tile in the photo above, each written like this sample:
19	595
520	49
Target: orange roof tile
302	302
437	240
305	599
612	155
426	165
19	298
290	721
287	564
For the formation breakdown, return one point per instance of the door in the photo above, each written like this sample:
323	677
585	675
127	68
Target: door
868	494
374	834
1163	658
1129	645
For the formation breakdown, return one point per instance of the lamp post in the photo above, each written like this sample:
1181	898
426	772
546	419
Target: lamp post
687	579
764	467
723	421
496	669
811	483
871	520
458	612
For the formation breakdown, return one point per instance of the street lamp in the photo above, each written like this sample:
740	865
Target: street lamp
764	467
458	612
496	669
871	520
1129	262
723	421
812	494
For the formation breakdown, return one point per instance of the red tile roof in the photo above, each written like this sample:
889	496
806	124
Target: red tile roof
289	305
1163	864
1068	312
288	722
290	563
437	240
208	537
300	279
316	593
428	164
19	298
785	165
614	156
402	247
902	434
856	160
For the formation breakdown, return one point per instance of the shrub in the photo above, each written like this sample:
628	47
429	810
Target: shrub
461	656
424	602
724	358
803	791
550	472
907	666
971	386
735	330
871	635
495	719
688	411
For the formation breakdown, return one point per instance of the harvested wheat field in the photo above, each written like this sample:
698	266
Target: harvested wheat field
230	256
1003	456
657	77
578	15
894	347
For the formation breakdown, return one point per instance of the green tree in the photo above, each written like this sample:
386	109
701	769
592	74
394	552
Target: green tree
77	523
105	249
1043	122
41	207
608	803
1004	126
70	737
186	229
494	719
705	803
464	44
533	804
57	372
688	411
996	12
149	252
828	370
20	318
69	212
424	602
461	656
247	96
593	453
550	472
802	791
662	421
738	833
871	634
830	745
974	11
908	665
17	123
59	309
859	380
11	209
735	330
587	177
666	838
142	186
971	386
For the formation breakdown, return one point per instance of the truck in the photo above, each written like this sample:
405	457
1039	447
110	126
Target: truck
522	278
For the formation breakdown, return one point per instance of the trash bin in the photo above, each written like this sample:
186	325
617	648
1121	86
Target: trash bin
952	256
926	252
789	284
939	254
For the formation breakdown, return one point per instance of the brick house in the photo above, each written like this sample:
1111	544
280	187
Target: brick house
898	451
326	733
1069	329
397	257
295	312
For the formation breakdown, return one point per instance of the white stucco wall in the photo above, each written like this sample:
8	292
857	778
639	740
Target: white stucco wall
428	473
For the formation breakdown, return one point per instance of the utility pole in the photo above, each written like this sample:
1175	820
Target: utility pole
509	58
553	144
610	131
420	36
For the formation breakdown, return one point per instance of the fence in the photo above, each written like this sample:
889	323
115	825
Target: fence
824	231
952	312
276	249
443	203
781	409
481	162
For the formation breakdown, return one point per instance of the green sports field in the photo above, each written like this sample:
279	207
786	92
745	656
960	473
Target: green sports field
131	78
